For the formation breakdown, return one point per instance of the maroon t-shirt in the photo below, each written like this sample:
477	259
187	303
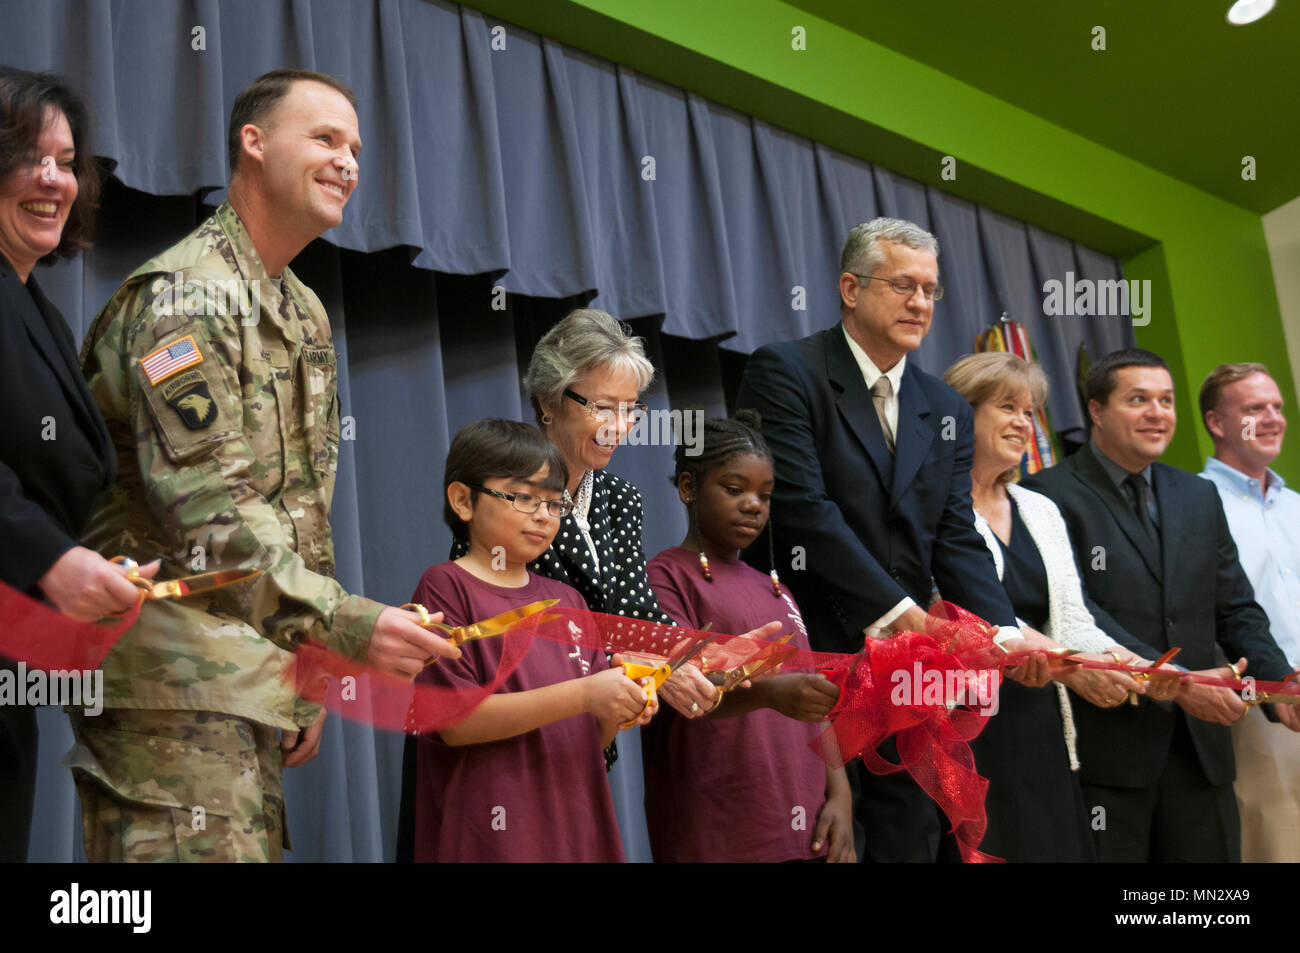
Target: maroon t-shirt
745	789
540	796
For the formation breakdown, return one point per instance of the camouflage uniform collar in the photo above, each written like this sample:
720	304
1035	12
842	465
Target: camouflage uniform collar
249	261
272	292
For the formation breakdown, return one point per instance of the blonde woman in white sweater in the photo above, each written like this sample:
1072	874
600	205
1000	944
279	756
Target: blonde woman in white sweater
1035	806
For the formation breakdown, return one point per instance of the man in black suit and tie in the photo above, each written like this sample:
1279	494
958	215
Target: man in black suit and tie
1160	571
872	496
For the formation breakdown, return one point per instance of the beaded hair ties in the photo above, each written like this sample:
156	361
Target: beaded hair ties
708	575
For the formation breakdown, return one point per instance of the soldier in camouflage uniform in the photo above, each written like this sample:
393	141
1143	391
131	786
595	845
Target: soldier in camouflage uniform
218	383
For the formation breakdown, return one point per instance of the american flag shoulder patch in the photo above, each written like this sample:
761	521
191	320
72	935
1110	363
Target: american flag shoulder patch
171	359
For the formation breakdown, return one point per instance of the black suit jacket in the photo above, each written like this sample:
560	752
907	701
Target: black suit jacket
1194	596
870	528
56	457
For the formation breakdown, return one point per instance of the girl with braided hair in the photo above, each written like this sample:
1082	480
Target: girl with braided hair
741	785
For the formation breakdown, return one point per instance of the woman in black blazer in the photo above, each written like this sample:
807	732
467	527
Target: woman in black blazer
55	454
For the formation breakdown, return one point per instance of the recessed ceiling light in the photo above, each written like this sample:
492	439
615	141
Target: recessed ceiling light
1248	11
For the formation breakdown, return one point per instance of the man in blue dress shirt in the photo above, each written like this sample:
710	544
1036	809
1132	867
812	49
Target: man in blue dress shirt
1242	409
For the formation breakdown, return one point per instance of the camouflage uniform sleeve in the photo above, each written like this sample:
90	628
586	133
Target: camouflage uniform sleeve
202	479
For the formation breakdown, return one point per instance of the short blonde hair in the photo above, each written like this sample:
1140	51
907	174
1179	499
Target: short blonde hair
1221	377
980	378
584	340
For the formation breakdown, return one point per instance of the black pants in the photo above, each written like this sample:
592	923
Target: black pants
1180	819
17	780
894	821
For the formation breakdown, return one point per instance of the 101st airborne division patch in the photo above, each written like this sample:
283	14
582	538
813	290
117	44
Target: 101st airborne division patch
187	393
189	396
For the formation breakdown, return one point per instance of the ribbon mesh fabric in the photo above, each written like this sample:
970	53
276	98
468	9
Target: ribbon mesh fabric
932	690
44	638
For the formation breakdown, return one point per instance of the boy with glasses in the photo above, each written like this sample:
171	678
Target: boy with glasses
523	777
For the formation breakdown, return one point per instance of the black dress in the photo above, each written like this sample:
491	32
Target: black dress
1035	806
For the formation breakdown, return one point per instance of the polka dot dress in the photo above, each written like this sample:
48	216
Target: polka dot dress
620	586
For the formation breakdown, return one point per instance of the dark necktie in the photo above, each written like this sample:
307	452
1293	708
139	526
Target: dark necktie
1137	490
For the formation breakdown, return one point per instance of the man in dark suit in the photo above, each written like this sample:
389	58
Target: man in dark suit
1160	570
872	494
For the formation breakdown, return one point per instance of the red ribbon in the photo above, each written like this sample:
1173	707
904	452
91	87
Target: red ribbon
385	701
1244	686
933	738
890	689
932	735
358	692
45	638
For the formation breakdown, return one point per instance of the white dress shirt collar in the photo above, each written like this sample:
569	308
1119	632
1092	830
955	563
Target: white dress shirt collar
870	373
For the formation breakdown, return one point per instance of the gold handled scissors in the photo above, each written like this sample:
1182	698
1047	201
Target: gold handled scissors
661	673
1151	672
732	678
1275	698
185	585
1057	658
498	624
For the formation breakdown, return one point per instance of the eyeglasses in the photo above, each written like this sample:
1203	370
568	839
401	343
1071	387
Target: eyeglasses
632	413
906	286
527	503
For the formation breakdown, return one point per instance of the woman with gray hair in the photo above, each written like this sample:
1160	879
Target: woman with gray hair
1035	804
585	381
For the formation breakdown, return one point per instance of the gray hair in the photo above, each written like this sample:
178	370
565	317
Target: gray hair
862	254
583	341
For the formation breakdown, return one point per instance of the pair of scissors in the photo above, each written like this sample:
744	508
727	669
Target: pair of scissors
658	674
1056	658
485	628
1150	672
733	677
1275	698
185	585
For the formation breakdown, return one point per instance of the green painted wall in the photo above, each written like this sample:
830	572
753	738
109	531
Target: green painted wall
1213	293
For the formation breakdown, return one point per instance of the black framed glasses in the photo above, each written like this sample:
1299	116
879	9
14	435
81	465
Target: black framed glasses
527	503
906	286
605	413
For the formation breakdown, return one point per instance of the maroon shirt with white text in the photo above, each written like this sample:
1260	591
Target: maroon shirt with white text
540	796
743	789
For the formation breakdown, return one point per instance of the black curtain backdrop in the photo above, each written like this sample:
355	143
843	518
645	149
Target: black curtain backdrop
536	169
